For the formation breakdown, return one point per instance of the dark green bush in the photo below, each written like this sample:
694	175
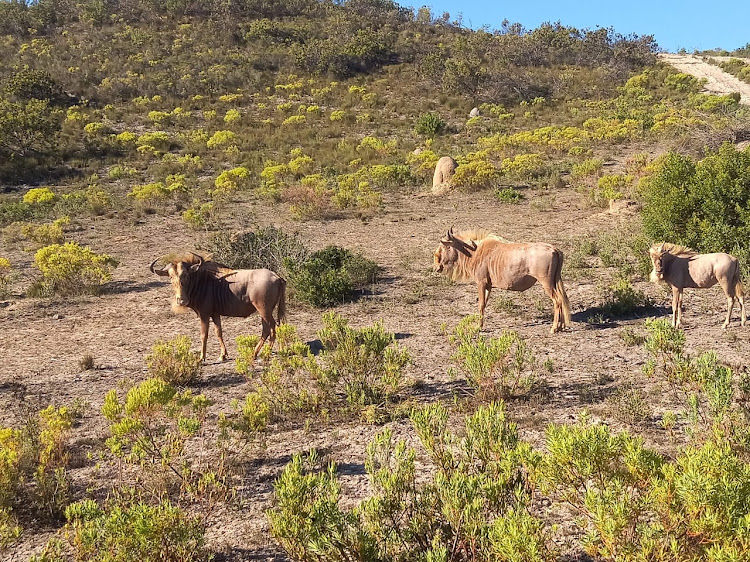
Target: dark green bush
429	125
330	276
704	204
28	83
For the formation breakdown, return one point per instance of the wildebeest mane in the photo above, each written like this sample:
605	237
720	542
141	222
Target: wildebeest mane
209	266
675	249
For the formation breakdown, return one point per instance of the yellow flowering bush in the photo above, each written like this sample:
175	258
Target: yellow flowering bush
69	269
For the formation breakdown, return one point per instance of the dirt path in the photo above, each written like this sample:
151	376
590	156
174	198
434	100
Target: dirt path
719	82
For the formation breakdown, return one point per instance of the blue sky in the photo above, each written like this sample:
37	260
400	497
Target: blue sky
688	24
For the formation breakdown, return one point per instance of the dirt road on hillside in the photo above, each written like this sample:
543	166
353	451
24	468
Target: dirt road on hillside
719	82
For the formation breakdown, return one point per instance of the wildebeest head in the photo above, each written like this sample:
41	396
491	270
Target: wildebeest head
447	253
179	272
656	253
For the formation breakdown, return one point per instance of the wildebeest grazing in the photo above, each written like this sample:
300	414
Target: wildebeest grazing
682	268
213	290
491	262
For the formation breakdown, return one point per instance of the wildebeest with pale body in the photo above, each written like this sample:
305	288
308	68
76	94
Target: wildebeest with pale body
682	268
213	290
490	262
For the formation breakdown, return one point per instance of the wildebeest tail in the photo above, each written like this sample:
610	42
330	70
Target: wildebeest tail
560	290
282	301
738	289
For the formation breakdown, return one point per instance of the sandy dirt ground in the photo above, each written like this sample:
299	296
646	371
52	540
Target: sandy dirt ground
43	340
718	81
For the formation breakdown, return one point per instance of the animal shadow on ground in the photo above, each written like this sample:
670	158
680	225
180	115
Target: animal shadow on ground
219	380
444	390
124	287
266	553
599	318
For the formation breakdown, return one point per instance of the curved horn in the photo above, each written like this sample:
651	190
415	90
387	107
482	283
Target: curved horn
160	272
225	275
200	258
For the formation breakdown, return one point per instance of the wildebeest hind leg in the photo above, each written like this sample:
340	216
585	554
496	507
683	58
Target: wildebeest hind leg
269	329
219	335
556	306
730	306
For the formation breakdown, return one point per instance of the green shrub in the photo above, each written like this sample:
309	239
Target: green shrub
622	299
202	216
69	269
509	195
611	188
429	125
330	276
473	507
700	204
367	363
127	530
495	367
590	167
173	362
150	429
635	505
33	470
605	478
307	521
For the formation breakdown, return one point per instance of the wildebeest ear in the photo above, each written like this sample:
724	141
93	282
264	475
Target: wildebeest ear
446	242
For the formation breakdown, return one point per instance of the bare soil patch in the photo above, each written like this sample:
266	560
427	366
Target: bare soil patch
718	81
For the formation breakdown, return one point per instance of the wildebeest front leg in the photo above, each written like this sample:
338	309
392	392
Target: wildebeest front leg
204	338
484	294
676	307
219	335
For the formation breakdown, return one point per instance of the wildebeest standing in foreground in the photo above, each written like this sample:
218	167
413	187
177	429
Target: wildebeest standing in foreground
492	262
683	268
213	290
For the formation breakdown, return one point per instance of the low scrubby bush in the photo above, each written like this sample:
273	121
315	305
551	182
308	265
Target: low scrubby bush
150	428
173	362
429	125
330	276
127	530
268	247
494	367
473	507
33	470
6	271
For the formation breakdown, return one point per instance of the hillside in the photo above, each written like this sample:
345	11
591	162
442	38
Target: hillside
302	136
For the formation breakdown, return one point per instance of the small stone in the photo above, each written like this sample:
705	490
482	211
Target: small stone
57	317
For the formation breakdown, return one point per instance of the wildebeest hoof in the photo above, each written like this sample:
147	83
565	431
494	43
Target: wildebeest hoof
223	358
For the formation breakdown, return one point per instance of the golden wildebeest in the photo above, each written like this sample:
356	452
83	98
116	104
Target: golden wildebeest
491	262
681	267
213	290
